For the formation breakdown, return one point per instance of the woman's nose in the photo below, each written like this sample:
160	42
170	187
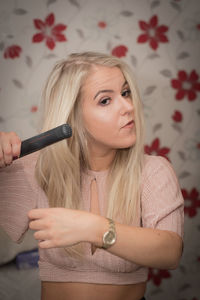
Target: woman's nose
126	106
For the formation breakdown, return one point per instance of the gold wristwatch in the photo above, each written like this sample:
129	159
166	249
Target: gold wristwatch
109	237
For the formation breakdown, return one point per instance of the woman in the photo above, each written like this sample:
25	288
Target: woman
102	211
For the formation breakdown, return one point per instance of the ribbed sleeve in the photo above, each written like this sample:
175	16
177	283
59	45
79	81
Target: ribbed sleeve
162	202
18	194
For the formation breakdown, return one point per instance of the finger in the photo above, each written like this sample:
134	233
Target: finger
37	225
37	213
2	163
46	244
16	146
7	152
10	147
41	235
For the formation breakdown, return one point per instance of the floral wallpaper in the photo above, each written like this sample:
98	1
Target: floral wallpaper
160	40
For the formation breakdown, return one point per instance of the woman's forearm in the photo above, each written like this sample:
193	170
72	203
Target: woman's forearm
144	246
60	227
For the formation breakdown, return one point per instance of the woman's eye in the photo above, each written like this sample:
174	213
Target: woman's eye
105	101
126	93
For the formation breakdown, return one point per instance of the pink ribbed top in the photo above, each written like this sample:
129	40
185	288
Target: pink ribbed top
161	208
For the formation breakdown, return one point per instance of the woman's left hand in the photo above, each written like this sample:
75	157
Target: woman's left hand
61	227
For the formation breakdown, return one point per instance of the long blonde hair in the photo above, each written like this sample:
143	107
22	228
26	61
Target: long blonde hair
59	166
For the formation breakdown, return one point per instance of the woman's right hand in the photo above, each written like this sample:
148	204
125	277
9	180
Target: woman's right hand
10	147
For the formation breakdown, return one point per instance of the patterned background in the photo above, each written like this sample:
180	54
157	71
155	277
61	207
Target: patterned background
160	39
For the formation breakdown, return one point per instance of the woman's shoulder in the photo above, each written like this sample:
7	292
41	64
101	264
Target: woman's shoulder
154	159
153	163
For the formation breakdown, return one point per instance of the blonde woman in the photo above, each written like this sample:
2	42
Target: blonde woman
102	211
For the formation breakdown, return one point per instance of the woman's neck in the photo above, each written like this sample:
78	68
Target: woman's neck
101	161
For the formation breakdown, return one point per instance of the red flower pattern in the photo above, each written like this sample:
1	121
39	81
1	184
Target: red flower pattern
177	116
192	202
12	52
49	32
156	150
34	108
158	275
154	34
120	51
187	85
102	24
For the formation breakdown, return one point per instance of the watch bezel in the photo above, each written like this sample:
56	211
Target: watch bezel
106	239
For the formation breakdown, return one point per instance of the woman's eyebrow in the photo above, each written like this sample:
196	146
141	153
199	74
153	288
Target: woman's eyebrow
102	91
125	83
108	91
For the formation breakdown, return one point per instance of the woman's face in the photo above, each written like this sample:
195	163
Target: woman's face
107	109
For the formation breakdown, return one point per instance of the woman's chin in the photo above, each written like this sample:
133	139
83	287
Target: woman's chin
127	144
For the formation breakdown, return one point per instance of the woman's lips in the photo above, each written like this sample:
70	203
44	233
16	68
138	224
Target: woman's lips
129	124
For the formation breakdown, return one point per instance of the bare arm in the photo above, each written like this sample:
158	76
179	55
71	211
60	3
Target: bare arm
61	227
144	246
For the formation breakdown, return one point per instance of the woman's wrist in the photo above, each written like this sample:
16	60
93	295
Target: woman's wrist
99	226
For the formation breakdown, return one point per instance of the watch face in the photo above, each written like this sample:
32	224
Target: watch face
110	237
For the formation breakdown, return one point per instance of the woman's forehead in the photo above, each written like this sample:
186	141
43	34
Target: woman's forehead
102	77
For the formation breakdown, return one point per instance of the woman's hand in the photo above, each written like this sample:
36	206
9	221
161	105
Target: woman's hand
10	147
61	227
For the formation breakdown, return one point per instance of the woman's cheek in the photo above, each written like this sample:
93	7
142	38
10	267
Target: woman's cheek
97	120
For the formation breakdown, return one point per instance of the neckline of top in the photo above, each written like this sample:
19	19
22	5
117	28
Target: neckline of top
95	174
